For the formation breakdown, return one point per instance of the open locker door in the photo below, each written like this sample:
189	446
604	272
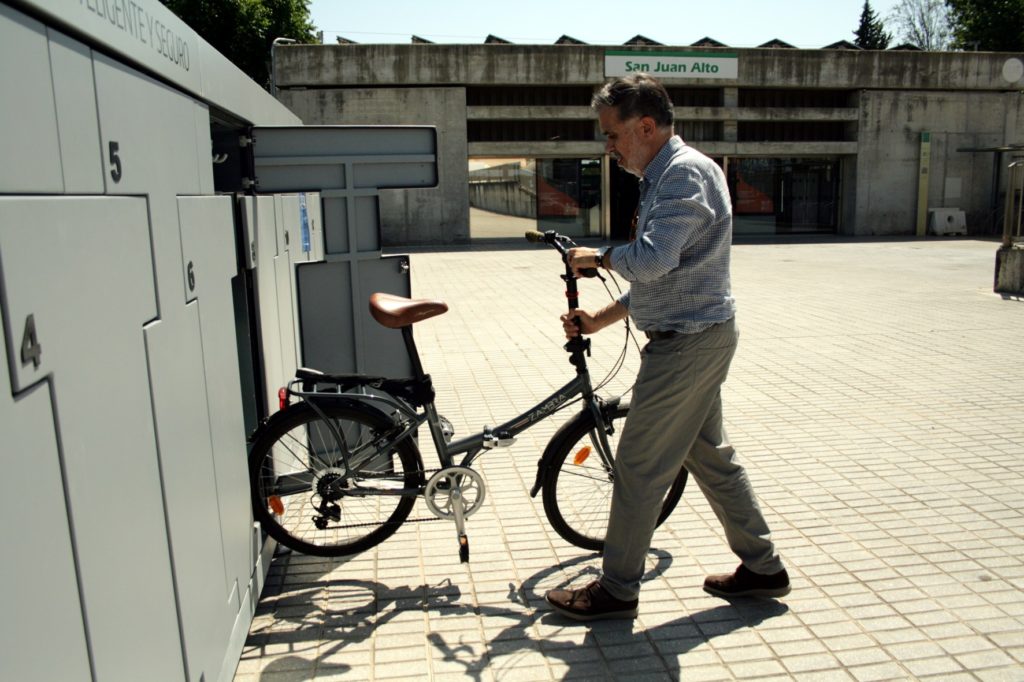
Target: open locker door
348	166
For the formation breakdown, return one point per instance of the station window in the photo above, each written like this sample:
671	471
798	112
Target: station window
508	197
775	196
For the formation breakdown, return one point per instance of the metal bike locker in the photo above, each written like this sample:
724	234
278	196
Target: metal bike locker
349	166
124	448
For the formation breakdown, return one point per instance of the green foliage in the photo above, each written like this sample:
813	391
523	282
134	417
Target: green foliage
871	33
243	30
988	25
924	23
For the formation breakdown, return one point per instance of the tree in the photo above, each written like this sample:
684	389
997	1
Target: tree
871	33
990	25
244	30
924	23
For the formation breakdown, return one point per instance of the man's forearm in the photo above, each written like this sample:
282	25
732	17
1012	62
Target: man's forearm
610	314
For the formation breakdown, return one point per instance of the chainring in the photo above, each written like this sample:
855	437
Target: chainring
438	492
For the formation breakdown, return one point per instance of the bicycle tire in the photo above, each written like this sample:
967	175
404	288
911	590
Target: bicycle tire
298	481
578	495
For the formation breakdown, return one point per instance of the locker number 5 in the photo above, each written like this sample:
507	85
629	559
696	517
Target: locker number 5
115	162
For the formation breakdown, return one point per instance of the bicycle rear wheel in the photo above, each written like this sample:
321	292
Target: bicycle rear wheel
578	486
308	499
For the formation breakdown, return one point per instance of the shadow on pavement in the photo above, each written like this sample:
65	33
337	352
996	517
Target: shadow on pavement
315	624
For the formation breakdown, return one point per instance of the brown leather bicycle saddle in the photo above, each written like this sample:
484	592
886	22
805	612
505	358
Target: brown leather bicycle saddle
396	312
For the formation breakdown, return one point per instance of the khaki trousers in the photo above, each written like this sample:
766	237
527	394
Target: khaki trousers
675	420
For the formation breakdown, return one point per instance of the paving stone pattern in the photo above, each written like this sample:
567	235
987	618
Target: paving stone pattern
875	401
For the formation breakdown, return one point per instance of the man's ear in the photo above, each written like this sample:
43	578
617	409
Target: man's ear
648	126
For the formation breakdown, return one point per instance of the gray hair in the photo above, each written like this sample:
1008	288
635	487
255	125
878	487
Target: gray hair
637	95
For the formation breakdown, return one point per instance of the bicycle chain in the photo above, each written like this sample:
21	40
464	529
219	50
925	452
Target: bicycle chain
392	523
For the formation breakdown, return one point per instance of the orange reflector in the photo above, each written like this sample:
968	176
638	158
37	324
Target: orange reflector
282	398
276	505
582	455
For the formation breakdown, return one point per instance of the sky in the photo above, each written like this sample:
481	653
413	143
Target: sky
738	23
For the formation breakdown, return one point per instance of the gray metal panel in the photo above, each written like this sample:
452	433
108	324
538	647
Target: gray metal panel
204	148
352	222
335	209
326	316
178	384
291	217
344	157
151	148
348	165
382	351
29	144
275	177
248	208
40	581
148	34
286	319
156	137
415	172
338	333
349	141
367	223
75	94
90	334
262	216
208	241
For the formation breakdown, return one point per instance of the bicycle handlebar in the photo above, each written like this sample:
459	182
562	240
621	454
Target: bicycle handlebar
577	346
561	243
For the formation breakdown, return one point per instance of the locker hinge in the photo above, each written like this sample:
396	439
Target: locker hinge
245	140
249	183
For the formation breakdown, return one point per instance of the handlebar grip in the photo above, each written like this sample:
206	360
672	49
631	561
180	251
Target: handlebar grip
589	272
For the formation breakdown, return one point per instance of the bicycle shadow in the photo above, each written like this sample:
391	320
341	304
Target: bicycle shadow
325	627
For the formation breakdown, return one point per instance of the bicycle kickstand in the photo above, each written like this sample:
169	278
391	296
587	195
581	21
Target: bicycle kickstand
458	507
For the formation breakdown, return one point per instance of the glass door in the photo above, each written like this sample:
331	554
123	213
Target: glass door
569	196
784	196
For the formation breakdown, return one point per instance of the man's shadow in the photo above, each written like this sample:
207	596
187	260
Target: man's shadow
314	631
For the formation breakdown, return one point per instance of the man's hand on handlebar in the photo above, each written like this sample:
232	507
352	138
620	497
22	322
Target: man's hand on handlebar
582	258
587	324
592	322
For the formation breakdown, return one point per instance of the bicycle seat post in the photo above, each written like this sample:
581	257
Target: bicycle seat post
413	353
422	378
397	312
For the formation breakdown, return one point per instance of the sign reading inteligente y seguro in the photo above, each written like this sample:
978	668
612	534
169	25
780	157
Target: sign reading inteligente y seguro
672	64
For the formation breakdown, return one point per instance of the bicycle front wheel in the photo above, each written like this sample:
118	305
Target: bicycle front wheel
578	484
324	486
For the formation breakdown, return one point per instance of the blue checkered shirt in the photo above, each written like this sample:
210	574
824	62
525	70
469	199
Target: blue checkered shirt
678	265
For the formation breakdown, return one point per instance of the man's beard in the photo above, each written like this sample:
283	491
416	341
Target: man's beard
618	160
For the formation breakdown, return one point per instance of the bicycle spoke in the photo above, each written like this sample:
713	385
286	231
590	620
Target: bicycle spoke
313	498
599	476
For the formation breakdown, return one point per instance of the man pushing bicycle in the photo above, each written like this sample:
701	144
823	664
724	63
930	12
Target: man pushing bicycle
680	297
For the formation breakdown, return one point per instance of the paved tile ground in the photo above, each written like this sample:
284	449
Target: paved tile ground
875	400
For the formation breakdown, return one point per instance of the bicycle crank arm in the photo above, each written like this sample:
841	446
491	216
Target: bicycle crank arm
458	511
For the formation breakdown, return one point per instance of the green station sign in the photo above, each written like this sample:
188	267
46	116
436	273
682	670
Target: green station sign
692	65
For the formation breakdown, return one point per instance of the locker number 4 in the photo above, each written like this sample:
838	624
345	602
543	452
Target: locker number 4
31	351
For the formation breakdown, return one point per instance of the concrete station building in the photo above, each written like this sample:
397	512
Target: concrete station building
832	141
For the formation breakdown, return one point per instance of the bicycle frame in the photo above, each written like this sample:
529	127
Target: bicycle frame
488	438
470	446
